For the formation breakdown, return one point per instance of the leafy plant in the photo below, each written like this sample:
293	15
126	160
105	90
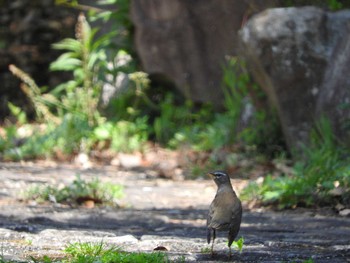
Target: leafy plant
135	97
122	136
334	4
331	4
239	244
70	110
17	112
76	192
89	252
40	101
326	168
8	137
205	250
100	252
202	129
69	113
84	57
47	140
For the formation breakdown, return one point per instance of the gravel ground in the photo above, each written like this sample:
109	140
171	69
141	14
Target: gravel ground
157	212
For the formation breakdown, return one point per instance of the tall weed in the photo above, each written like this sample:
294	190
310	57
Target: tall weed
323	168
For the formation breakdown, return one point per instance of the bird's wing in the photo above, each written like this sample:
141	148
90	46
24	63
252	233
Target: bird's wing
219	215
235	222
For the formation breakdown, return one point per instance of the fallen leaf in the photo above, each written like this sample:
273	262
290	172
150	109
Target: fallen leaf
160	248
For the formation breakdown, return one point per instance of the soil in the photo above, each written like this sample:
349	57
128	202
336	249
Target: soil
156	213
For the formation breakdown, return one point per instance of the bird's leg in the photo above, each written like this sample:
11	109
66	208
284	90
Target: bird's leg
212	244
230	253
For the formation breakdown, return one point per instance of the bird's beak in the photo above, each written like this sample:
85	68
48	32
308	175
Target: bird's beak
211	175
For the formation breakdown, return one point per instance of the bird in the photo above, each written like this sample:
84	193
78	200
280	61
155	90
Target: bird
225	211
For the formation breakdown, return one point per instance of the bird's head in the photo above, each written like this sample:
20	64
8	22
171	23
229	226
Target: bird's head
220	178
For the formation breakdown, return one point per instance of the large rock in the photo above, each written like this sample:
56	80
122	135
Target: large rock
289	52
187	41
334	97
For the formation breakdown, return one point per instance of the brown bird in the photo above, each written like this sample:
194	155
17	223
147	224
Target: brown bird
225	212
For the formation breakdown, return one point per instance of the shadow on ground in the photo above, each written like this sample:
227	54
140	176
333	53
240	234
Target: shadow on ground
290	236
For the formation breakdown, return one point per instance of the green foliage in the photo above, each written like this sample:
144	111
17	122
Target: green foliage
99	192
70	3
70	110
204	130
48	139
330	4
117	14
324	169
100	252
69	113
205	250
304	261
41	102
18	113
7	139
130	104
334	4
235	82
89	252
176	121
239	244
208	131
72	120
84	57
122	136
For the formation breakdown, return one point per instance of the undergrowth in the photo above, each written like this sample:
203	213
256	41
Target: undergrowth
70	118
100	252
77	192
320	177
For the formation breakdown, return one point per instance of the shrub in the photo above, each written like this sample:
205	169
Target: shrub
77	192
323	169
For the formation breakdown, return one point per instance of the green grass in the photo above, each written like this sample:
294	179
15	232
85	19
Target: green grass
77	192
88	252
304	261
322	168
100	252
239	244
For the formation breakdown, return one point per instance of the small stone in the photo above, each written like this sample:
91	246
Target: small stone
83	160
345	212
130	160
339	207
339	191
115	162
127	239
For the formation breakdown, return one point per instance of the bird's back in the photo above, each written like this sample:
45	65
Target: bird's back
225	212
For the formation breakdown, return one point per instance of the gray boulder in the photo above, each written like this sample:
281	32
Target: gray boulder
292	53
334	97
187	41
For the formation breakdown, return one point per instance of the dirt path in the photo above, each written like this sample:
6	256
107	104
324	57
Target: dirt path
157	212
